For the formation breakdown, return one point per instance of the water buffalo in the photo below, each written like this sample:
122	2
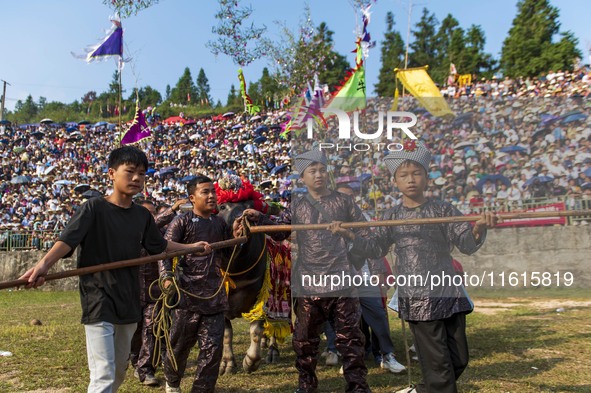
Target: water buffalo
247	271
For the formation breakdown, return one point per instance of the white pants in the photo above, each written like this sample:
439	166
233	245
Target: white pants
107	347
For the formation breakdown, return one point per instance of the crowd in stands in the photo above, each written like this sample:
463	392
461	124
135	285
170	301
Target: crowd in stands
511	141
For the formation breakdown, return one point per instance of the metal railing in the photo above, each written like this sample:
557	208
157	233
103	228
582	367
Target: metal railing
503	206
11	240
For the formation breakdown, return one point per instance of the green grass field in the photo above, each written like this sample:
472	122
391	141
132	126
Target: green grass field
518	343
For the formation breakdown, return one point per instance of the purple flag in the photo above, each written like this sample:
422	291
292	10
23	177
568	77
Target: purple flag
139	129
111	45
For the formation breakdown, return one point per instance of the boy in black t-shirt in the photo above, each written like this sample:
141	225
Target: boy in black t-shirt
110	229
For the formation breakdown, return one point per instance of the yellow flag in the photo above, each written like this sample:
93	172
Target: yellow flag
420	85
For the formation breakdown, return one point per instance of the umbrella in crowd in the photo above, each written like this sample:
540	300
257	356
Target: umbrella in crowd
4	122
278	169
261	129
81	188
574	117
293	176
91	194
237	126
463	118
463	144
588	172
259	139
365	177
493	179
20	180
63	182
300	190
168	171
265	184
150	171
541	179
254	118
38	134
513	149
46	121
228	114
49	169
188	179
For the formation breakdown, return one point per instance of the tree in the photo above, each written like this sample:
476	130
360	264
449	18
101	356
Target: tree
333	66
476	61
392	57
424	45
148	96
240	43
231	96
184	92
41	104
269	89
167	92
114	87
127	8
26	111
202	89
529	49
89	97
450	45
298	57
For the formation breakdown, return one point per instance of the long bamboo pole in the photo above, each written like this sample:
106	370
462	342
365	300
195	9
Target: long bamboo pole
417	221
127	263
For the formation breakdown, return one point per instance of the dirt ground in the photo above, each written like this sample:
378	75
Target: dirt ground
490	307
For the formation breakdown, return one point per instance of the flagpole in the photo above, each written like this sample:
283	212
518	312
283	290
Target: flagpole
120	93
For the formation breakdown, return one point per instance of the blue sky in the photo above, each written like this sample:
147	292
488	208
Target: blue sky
38	36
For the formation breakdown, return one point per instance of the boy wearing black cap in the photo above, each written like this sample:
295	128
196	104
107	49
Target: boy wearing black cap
324	254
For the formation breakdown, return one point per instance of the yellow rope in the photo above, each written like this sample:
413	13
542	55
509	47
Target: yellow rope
161	315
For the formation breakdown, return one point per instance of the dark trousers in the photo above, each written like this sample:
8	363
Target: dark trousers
311	314
142	344
442	349
376	317
207	331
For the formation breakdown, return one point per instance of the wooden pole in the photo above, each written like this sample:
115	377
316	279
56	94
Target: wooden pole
126	263
417	221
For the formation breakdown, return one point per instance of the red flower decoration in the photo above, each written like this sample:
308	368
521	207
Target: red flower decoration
410	145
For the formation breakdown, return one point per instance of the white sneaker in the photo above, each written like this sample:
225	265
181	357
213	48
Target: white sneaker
332	359
170	389
410	389
389	363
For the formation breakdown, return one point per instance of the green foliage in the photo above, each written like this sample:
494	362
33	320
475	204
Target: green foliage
185	89
451	44
520	344
203	89
529	49
424	45
266	91
25	111
301	55
127	8
392	57
240	43
147	96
